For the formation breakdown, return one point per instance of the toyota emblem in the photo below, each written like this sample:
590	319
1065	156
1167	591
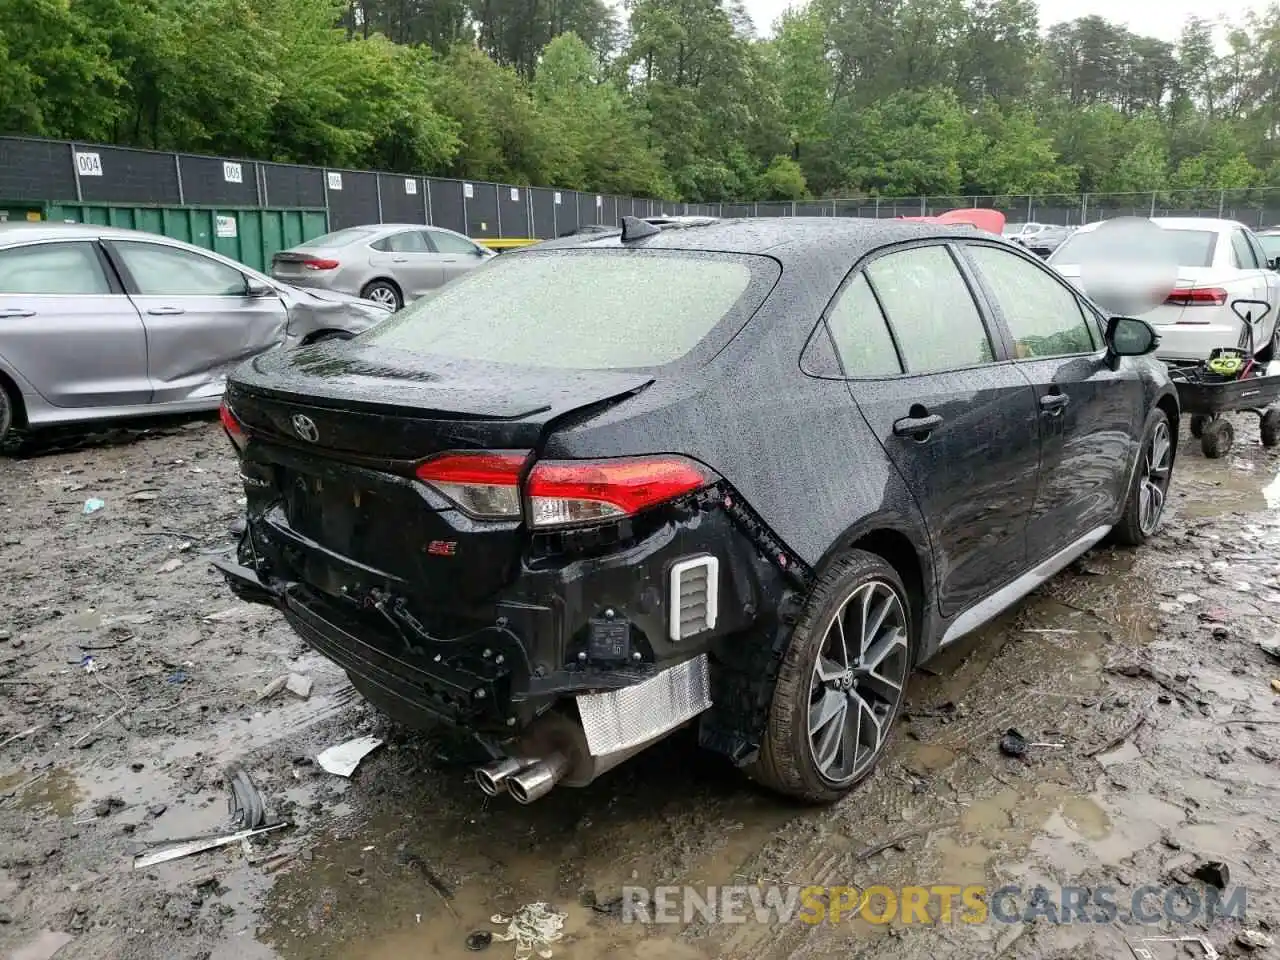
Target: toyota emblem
305	427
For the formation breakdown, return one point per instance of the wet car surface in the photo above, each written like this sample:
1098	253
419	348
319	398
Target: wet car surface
405	859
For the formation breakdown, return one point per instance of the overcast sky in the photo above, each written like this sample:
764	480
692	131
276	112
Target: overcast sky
1156	18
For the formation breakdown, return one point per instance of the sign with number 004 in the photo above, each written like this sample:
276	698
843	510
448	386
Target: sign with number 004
88	164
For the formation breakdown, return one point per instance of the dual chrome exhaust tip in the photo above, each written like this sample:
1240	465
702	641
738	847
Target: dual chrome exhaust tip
526	780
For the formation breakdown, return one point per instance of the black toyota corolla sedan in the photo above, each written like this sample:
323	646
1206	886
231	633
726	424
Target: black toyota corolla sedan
743	475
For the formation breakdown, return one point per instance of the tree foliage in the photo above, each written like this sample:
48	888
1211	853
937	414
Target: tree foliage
680	99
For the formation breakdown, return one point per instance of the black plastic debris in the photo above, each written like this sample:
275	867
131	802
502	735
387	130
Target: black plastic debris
478	940
1214	873
245	803
1013	744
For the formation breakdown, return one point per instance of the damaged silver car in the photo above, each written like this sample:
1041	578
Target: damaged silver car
98	323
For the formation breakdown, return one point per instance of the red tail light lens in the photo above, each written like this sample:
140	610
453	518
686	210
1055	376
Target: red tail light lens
1197	297
485	485
565	492
320	264
234	428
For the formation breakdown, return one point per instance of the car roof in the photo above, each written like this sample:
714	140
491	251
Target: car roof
22	231
1179	223
843	239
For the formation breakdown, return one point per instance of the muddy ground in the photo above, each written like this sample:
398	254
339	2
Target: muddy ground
1143	667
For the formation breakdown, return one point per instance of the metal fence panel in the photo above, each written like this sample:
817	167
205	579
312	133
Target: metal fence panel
448	204
214	182
482	209
403	199
609	212
128	176
36	170
513	204
545	212
352	198
288	185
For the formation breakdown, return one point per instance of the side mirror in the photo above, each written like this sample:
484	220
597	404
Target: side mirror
1130	337
1274	263
257	289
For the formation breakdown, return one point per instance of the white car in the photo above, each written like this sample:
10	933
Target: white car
1219	261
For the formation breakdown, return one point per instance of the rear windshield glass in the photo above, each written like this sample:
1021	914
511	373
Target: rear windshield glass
339	238
1194	248
581	310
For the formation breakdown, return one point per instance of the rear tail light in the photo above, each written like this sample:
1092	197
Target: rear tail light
564	492
1197	297
486	485
234	428
315	263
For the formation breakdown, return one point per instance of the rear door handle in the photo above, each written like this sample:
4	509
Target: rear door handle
1054	402
916	427
15	312
399	259
166	311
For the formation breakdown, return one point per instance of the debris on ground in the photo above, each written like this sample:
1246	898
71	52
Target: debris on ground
1254	940
343	759
534	927
478	940
1275	685
1013	744
1271	647
1214	873
272	688
298	685
245	804
93	505
1202	947
192	847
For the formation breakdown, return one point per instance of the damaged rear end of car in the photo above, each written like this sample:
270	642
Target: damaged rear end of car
406	516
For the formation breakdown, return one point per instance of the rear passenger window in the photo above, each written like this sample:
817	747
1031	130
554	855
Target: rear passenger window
1043	315
1241	252
861	336
931	309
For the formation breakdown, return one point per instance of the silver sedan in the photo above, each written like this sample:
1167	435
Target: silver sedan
99	323
389	263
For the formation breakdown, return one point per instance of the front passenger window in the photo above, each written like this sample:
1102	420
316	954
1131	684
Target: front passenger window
931	309
163	271
1043	315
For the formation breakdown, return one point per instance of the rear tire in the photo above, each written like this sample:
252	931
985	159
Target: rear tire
1217	439
1198	422
1269	427
841	682
1150	487
384	292
6	415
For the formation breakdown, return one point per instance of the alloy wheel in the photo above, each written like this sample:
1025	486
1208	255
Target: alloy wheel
383	295
1156	468
857	682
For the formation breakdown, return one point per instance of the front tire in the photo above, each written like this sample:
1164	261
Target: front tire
1150	488
1269	427
384	292
841	682
6	415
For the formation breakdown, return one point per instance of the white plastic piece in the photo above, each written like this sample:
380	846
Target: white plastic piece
343	759
688	571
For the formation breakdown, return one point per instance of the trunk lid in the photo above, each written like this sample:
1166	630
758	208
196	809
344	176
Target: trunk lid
336	432
1166	313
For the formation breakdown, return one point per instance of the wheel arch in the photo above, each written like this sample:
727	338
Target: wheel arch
10	387
908	550
390	281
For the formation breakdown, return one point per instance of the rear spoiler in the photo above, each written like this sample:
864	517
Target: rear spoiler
991	221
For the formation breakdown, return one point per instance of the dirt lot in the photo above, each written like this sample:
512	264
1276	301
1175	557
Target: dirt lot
1143	669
